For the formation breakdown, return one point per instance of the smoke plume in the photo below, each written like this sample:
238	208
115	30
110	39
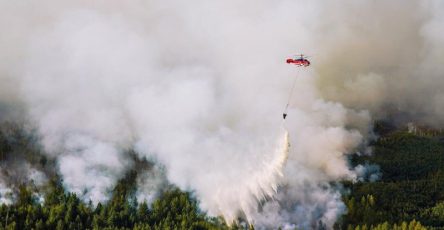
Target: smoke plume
199	88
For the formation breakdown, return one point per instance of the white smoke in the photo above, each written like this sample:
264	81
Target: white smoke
150	183
6	194
16	173
368	172
200	87
90	167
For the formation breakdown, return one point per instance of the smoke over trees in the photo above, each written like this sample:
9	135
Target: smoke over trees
197	89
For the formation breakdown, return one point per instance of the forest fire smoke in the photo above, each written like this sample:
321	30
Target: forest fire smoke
198	88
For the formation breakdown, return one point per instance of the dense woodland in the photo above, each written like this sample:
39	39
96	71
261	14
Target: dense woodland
409	194
61	210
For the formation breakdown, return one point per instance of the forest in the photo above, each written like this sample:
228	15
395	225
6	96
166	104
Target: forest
409	194
410	191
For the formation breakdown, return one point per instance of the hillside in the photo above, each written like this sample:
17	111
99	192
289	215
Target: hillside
408	195
411	187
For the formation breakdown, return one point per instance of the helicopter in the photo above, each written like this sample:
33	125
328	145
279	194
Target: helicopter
299	61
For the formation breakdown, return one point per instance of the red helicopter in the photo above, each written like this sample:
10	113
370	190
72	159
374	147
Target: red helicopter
300	61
